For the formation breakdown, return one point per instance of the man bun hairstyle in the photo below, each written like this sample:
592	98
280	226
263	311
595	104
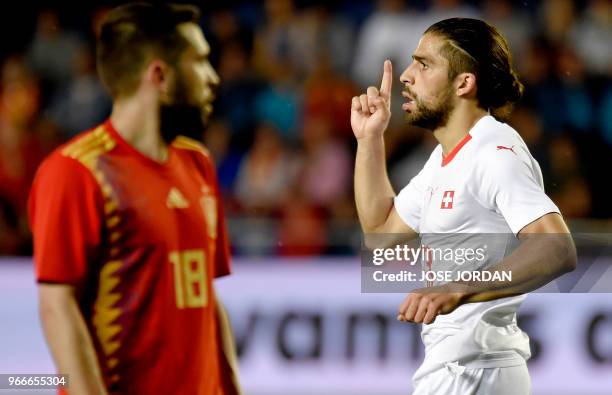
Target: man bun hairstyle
133	34
474	46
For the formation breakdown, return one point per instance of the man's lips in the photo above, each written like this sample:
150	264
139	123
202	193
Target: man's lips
409	101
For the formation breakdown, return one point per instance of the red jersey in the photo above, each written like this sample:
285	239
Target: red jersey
141	242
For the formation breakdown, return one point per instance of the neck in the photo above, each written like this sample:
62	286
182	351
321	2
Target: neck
138	123
460	121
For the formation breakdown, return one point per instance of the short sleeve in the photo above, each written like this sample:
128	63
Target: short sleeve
510	182
408	203
65	214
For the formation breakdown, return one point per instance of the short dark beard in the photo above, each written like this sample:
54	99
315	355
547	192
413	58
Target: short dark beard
180	117
431	118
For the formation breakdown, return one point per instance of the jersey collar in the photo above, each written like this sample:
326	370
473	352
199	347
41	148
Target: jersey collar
446	159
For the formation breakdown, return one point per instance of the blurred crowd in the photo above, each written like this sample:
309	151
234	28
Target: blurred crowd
280	134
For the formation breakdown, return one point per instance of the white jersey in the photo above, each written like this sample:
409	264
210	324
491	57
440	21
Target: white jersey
489	184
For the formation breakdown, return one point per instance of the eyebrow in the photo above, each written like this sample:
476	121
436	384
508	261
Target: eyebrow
421	59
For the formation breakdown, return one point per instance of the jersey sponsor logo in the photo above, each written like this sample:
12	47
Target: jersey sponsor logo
447	200
176	199
501	147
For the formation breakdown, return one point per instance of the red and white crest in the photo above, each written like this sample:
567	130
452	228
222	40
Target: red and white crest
447	199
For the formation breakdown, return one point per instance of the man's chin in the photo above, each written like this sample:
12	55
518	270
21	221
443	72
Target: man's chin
207	112
413	119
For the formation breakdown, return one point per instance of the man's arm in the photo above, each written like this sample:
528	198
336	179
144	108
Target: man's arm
228	349
69	340
374	194
547	251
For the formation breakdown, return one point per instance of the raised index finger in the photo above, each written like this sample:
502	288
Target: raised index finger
387	78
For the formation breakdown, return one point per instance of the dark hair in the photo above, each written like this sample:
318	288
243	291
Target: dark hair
474	46
132	34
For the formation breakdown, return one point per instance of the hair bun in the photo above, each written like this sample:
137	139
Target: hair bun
508	89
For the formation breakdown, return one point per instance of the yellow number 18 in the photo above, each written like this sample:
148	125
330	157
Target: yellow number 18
190	285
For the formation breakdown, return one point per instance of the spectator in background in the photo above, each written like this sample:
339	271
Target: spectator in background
51	53
217	139
557	17
591	34
302	228
284	51
83	102
335	41
266	174
283	42
390	32
237	95
576	109
327	171
20	150
567	186
536	69
557	87
443	9
280	104
515	24
326	93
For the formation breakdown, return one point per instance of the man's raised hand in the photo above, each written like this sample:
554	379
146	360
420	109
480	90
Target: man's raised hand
370	112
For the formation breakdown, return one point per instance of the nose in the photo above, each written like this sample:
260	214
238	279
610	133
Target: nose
214	79
407	76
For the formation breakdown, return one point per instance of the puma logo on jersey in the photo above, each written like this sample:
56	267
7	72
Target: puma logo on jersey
501	147
176	199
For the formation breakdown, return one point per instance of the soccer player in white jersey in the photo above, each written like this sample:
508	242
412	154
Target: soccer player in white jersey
481	178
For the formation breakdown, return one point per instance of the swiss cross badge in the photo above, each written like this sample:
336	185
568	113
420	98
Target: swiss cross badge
447	199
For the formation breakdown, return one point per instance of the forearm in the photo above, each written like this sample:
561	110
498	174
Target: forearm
228	349
72	348
537	261
373	191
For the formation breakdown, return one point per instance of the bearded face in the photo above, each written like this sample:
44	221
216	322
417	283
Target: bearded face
428	114
190	104
181	116
428	86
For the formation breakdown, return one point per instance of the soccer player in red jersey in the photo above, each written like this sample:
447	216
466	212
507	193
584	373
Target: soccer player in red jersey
128	225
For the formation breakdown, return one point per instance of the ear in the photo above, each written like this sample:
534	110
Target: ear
158	76
465	85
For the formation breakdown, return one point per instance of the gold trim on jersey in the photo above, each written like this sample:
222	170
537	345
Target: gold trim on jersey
88	150
190	144
90	147
104	314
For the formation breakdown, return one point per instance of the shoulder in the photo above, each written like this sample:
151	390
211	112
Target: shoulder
88	145
498	143
74	161
195	153
192	147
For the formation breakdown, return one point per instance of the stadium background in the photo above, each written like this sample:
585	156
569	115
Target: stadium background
284	151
